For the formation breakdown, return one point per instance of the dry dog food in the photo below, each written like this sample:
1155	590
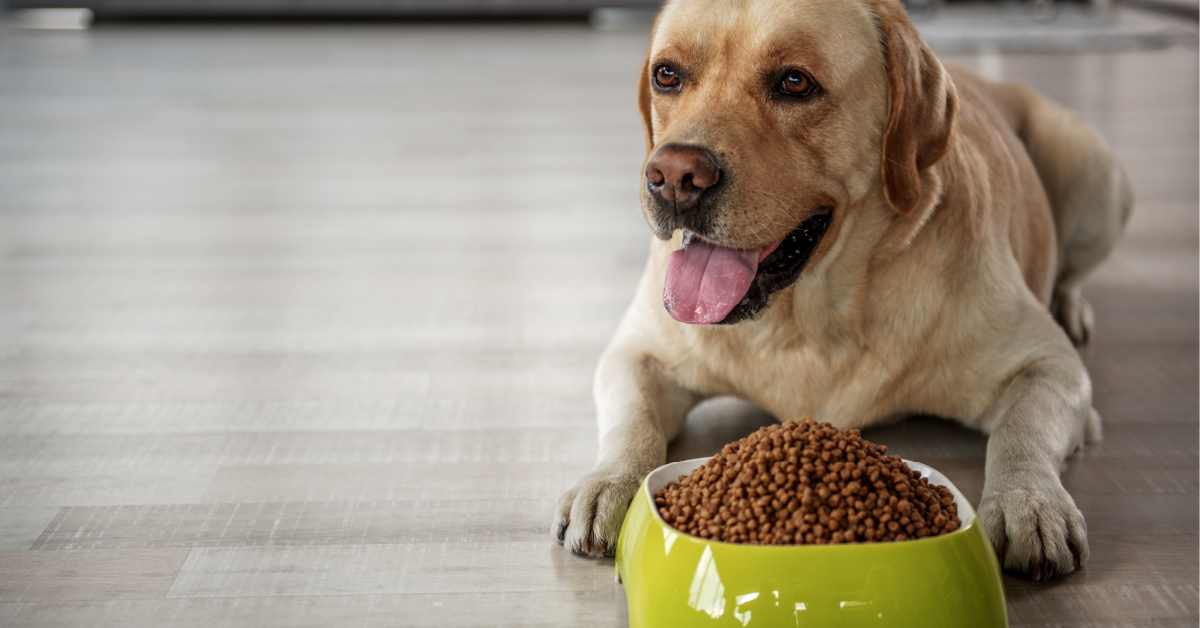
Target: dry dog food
803	483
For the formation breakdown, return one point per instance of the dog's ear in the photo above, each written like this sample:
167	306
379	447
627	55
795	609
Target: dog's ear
644	102
643	97
922	107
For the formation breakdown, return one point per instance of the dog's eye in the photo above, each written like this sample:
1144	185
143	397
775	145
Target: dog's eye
797	83
665	77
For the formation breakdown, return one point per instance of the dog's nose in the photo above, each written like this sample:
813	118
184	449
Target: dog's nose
679	175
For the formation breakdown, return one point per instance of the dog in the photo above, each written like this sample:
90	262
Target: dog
846	230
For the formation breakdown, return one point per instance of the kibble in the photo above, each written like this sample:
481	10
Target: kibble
803	482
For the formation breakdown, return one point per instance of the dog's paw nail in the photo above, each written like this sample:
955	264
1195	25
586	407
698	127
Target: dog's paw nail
1035	569
562	532
1076	553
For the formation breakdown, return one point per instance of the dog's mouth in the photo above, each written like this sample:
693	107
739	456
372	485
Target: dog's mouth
708	283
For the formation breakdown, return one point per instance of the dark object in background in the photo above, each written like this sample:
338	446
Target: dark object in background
334	9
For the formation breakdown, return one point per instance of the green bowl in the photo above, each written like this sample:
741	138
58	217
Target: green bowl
676	579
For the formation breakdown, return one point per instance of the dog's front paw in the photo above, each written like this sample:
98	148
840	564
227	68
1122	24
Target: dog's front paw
1037	533
589	516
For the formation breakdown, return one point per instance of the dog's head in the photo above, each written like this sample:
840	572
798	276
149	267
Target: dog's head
766	121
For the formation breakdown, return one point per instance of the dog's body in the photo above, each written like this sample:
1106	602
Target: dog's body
958	215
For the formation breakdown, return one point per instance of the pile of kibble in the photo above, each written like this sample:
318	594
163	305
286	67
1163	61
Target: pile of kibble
803	483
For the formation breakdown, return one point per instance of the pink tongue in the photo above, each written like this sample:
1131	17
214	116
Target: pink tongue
705	281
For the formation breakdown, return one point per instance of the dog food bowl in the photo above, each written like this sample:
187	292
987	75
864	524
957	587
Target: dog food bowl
676	579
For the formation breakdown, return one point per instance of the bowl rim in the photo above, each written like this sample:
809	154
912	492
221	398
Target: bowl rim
671	471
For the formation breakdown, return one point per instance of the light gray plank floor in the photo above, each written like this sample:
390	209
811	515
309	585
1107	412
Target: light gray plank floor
297	326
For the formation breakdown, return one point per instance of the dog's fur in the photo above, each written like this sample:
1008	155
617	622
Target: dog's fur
965	215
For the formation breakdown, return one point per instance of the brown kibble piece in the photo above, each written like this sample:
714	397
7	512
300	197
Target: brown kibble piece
803	482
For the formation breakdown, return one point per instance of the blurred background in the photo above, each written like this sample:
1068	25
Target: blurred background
300	302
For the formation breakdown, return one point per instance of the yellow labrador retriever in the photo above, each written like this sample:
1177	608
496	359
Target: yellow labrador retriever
848	231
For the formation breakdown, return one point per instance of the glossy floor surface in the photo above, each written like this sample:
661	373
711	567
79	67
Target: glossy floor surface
297	326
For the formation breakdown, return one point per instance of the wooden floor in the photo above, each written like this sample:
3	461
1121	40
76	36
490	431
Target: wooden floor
297	326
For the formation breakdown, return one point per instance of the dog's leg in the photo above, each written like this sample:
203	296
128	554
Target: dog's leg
1089	195
1088	243
1107	200
640	408
1040	418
